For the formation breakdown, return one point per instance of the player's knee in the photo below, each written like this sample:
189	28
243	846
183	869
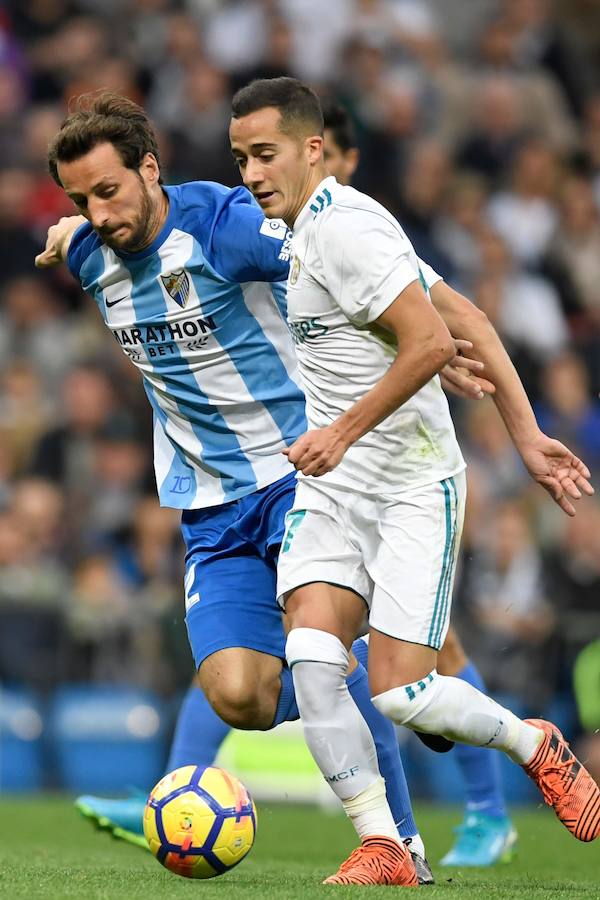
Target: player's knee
320	662
242	687
236	700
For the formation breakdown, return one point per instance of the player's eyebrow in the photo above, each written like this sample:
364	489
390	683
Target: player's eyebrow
257	147
105	181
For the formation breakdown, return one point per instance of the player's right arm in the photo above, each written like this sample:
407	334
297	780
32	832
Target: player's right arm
425	347
58	241
367	267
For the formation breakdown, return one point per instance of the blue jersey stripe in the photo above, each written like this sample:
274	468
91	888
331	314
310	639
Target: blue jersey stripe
254	356
280	296
90	272
221	448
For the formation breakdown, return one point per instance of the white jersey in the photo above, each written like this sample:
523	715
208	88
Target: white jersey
351	260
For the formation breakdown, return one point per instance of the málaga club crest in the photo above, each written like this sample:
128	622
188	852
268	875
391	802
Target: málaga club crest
177	285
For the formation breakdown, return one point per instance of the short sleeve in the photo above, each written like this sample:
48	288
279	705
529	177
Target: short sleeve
247	247
365	261
83	242
430	276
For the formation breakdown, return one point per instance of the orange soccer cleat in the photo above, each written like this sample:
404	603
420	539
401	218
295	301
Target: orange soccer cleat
378	860
565	784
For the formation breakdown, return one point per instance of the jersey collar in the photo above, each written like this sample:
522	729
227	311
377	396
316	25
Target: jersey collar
320	199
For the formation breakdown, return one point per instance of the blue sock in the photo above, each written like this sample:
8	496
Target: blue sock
287	710
480	767
386	742
199	732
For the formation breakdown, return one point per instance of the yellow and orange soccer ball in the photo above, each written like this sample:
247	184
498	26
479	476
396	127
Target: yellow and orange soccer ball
199	821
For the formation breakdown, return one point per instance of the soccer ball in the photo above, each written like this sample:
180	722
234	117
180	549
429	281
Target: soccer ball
199	821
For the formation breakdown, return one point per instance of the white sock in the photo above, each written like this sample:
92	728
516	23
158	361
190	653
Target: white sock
335	731
441	704
365	812
415	843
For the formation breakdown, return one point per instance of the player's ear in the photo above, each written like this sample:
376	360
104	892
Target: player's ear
352	157
314	148
149	169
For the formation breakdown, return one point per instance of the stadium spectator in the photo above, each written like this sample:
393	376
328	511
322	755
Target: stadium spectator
497	128
512	620
524	307
100	624
525	213
568	408
574	254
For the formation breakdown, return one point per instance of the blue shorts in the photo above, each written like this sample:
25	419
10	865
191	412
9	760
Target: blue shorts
230	572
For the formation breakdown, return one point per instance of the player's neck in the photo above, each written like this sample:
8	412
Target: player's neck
160	215
314	180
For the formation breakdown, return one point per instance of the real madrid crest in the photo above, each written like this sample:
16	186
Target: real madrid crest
294	270
177	285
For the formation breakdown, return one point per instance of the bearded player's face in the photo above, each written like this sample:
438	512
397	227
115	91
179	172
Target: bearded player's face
116	200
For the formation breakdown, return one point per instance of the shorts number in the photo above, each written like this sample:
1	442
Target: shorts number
293	521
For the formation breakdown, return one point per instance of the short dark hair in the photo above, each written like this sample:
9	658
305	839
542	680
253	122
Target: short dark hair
337	119
298	105
103	118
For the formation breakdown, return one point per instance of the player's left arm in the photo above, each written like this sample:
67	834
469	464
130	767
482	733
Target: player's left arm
463	375
549	462
426	346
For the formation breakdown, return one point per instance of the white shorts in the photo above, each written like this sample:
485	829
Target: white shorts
398	552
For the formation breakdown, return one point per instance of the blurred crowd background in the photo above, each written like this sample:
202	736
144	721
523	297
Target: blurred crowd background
479	126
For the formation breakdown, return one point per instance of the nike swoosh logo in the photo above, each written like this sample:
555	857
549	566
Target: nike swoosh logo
114	302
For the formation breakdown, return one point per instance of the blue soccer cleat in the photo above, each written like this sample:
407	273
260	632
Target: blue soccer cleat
122	818
482	841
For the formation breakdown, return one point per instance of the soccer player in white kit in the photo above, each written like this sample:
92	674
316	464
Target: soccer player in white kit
375	531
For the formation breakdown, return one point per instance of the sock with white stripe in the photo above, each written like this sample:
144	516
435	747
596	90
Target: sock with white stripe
441	704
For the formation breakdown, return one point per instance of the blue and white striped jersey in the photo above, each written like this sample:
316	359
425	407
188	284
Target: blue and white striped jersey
202	313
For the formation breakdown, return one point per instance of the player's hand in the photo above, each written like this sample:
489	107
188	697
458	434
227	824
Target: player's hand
559	471
317	452
57	241
462	375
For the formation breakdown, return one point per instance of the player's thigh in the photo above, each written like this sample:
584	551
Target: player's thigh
231	602
321	579
327	607
394	662
411	551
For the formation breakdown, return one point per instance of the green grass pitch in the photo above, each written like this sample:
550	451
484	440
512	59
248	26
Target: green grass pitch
47	851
